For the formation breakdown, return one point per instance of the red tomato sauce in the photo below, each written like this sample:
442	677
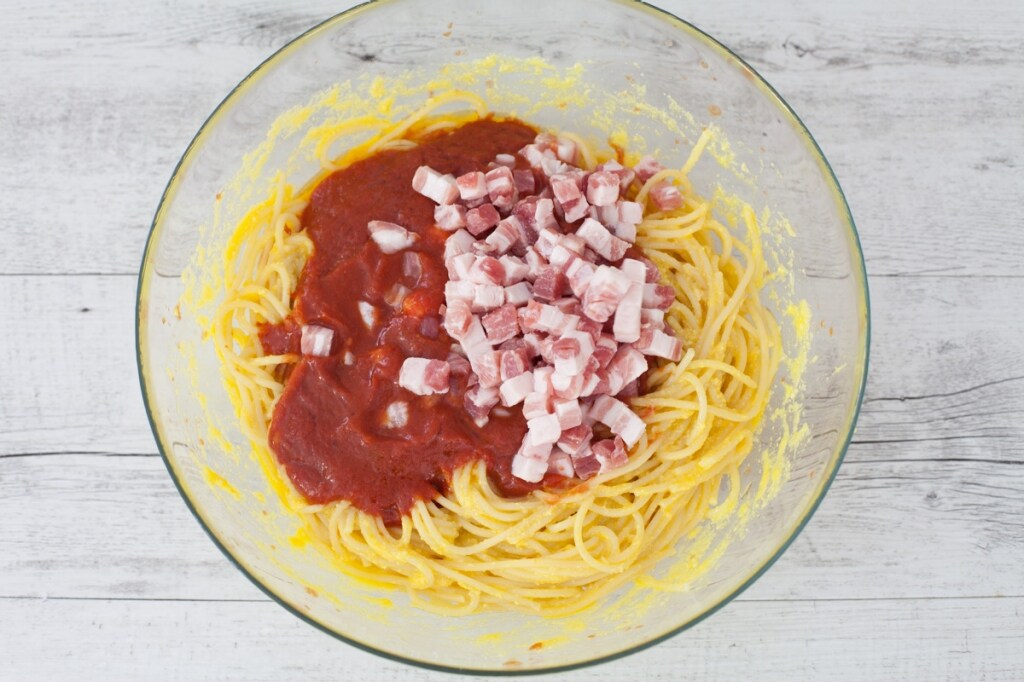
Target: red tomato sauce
328	429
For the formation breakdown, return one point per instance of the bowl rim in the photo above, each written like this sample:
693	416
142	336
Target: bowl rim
857	255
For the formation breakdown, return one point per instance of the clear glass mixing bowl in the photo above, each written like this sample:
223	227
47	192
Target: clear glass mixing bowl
820	298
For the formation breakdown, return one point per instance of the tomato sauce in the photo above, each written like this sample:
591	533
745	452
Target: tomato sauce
329	428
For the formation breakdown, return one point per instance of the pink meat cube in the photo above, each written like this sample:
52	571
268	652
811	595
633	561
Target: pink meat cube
450	217
441	189
472	186
423	376
602	188
666	196
611	454
501	324
481	219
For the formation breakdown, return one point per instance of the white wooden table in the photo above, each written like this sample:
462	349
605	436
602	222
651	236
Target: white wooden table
913	568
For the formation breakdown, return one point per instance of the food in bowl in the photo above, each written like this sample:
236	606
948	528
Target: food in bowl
502	367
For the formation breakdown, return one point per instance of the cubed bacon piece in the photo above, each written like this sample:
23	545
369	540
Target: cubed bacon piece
634	269
540	317
459	243
503	237
576	437
486	297
501	324
487	366
567	387
472	186
532	342
459	291
606	289
660	296
572	243
579	273
535	263
652	317
619	418
572	352
481	219
550	166
602	241
546	342
531	462
569	414
653	274
589	327
474	341
459	266
412	267
568	305
566	150
547	240
544	430
630	390
605	349
611	454
627	366
505	160
480	400
458	366
501	187
544	214
516	269
423	376
486	270
441	189
534	154
602	188
566	189
542	380
576	210
585	463
561	258
513	391
560	463
658	343
525	181
666	196
514	361
647	168
450	217
518	294
624	175
536	405
316	340
389	237
626	328
549	285
630	212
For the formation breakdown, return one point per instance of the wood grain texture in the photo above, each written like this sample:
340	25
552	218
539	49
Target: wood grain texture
912	569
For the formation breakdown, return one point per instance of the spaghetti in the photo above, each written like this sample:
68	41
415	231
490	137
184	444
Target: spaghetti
551	552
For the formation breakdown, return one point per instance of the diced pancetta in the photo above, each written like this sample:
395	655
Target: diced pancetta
501	324
579	273
459	243
513	391
560	463
567	387
525	181
626	328
569	414
658	343
505	160
647	168
487	297
549	285
450	217
531	462
485	270
480	400
459	266
619	418
487	366
602	188
535	263
624	175
423	376
660	296
585	463
503	237
536	404
574	438
610	453
481	219
389	237
441	189
601	240
516	269
566	150
501	187
544	429
472	186
606	289
666	196
316	340
604	350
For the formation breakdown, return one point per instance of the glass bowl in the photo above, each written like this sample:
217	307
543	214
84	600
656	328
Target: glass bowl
607	69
